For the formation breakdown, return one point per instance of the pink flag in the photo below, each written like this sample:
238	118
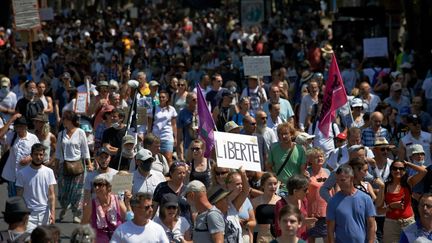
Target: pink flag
334	97
206	123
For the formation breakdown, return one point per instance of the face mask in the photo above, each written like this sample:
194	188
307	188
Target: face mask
31	94
115	125
146	166
419	163
128	153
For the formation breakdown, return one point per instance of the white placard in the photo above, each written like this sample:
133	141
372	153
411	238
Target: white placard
375	47
26	14
235	150
46	14
81	103
256	65
133	12
121	182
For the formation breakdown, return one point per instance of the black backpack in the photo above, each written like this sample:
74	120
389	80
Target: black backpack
231	235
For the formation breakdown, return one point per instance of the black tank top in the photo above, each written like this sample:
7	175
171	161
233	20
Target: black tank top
204	176
264	213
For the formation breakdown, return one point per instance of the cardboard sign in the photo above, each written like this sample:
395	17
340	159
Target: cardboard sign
375	47
121	182
235	150
26	14
81	103
252	12
256	65
46	14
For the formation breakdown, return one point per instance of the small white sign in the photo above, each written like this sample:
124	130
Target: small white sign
375	47
256	65
46	14
26	14
235	150
133	12
121	182
81	103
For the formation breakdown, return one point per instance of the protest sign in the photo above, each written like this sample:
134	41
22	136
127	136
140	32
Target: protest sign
46	14
375	47
121	182
26	14
252	12
235	150
256	65
81	103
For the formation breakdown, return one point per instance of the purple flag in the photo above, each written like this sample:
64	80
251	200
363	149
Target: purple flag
206	123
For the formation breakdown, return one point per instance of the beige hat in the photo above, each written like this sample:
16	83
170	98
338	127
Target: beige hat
229	126
5	81
194	186
396	86
382	142
303	137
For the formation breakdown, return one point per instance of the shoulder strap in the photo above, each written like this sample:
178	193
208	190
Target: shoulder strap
153	117
286	160
4	236
22	237
14	138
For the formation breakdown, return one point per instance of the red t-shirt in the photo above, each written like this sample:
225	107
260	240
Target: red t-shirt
403	195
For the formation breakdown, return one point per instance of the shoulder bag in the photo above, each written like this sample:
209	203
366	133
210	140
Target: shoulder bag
71	168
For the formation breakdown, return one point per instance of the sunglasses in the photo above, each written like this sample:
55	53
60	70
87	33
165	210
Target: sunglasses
181	84
384	149
195	149
252	124
264	118
99	184
171	207
221	173
321	179
148	207
398	168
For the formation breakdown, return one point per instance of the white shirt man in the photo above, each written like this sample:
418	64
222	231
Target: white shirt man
35	183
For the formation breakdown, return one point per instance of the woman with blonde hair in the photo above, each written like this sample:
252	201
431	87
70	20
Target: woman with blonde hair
42	131
178	98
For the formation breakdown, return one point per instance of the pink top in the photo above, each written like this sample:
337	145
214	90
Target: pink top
105	222
316	204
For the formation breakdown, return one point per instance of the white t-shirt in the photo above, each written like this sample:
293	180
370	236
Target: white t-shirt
162	126
19	150
179	229
8	102
326	144
72	148
305	106
131	233
146	184
35	184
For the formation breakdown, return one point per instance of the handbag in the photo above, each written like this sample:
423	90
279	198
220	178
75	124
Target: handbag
5	157
72	168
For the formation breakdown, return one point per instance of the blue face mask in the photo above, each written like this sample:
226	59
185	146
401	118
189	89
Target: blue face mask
4	92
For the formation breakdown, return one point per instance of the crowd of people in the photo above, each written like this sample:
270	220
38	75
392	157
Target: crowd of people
369	180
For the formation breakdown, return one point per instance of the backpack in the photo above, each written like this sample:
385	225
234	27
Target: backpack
5	237
231	235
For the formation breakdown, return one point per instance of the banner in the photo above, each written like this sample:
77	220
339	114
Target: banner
206	123
256	65
235	150
334	97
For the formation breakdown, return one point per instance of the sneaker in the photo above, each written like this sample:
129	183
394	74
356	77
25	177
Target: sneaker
76	220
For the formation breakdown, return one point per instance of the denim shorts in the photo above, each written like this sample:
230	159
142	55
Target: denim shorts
166	146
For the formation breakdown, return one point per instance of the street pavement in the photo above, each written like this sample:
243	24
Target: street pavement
66	227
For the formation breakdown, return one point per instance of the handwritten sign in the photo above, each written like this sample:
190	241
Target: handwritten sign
81	103
235	150
257	65
121	182
26	14
375	47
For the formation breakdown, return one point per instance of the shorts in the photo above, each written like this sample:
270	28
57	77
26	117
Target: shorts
319	230
167	146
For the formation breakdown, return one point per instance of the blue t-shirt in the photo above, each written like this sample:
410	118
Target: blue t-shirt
350	214
244	210
286	110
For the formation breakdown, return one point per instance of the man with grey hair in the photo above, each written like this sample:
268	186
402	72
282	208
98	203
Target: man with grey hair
350	213
209	224
141	228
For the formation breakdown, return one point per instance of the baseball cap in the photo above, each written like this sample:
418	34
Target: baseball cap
144	154
128	139
102	83
415	149
169	199
227	92
341	136
413	118
153	83
66	75
396	86
356	102
303	137
229	126
102	150
194	186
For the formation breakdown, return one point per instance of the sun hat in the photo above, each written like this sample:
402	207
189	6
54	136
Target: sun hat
216	193
16	205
